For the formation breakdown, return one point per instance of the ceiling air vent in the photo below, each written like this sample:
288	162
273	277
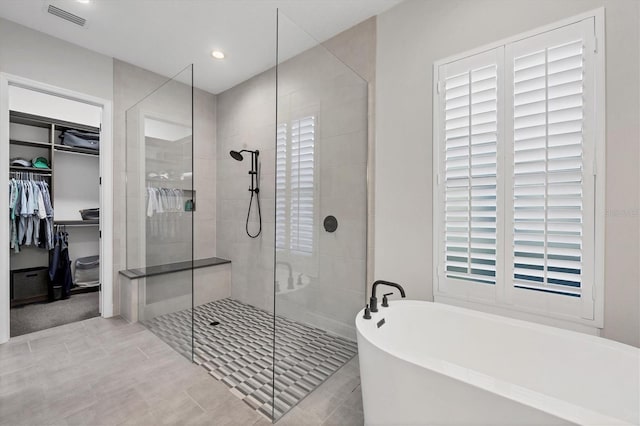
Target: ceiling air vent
68	16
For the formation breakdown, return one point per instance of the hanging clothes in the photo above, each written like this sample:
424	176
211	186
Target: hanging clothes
60	266
164	209
30	213
161	200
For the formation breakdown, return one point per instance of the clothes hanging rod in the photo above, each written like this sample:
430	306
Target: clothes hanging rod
28	175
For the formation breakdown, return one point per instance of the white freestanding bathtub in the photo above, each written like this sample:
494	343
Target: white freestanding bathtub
431	363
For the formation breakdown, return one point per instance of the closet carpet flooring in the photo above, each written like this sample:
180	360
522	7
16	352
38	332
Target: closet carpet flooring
40	316
238	351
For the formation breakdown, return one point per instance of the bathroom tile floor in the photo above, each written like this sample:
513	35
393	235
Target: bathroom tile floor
238	351
109	372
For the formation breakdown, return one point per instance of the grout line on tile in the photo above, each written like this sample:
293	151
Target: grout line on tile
339	405
332	411
193	399
143	353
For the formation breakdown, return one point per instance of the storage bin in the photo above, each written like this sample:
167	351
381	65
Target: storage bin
80	139
30	282
90	214
87	271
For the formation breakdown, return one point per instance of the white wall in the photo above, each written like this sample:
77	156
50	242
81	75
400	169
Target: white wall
37	56
32	102
416	33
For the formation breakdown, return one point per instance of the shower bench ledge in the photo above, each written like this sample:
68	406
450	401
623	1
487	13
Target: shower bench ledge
155	290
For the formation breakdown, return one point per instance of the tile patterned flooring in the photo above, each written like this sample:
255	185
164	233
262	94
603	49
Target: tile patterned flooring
239	352
109	372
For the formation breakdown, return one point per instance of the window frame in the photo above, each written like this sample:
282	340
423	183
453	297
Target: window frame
503	297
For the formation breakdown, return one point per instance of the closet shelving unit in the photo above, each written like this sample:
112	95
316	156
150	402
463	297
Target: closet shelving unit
48	149
53	126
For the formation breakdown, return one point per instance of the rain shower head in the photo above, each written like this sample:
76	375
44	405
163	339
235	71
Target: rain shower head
236	155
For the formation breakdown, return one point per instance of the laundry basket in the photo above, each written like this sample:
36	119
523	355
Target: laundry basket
87	271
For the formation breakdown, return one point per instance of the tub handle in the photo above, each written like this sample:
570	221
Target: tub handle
385	300
367	313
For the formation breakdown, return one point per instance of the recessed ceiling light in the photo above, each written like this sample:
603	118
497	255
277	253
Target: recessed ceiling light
83	1
217	54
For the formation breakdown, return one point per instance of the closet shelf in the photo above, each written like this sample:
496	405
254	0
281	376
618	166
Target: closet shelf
29	119
29	169
46	122
92	222
30	143
75	150
160	160
170	181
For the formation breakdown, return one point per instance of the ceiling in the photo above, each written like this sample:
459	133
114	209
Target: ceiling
166	35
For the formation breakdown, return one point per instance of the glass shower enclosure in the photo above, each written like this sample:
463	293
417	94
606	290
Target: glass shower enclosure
291	217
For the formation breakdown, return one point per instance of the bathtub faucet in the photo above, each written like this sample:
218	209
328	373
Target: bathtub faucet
373	300
290	268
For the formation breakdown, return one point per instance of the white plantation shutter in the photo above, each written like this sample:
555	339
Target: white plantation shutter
550	153
547	177
295	186
302	184
514	163
469	164
281	186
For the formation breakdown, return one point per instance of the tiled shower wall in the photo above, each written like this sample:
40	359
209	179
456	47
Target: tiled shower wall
246	117
312	83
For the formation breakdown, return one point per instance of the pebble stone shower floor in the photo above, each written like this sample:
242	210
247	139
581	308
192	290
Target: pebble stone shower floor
239	352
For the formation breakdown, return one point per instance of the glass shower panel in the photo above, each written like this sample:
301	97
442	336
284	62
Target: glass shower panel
320	212
160	204
233	329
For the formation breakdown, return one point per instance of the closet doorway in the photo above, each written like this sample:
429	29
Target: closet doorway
56	151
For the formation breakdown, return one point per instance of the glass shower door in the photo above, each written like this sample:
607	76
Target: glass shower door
320	214
160	204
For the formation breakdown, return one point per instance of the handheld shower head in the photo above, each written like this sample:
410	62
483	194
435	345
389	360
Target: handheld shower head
236	155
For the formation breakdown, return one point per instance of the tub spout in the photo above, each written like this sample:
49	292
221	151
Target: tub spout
373	301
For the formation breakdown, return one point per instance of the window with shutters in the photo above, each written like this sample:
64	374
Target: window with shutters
295	188
518	140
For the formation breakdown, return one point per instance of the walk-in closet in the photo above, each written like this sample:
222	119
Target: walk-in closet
54	209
